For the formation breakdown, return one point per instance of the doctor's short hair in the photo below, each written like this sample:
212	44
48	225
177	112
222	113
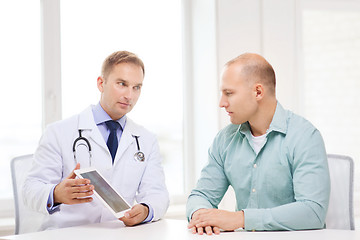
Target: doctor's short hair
120	57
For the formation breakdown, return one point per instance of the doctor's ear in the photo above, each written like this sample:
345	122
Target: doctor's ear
100	82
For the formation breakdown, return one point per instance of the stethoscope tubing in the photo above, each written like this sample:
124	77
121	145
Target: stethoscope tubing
81	138
139	155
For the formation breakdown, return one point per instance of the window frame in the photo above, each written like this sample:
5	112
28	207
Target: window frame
52	94
199	129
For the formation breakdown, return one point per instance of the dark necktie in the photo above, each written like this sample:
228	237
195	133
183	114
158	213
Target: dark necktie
112	141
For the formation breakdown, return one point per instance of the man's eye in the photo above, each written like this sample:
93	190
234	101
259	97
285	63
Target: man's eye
137	87
228	93
121	83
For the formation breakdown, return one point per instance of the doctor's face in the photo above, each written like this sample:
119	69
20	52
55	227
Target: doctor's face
121	89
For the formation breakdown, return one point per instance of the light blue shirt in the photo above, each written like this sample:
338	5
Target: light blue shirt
286	186
100	117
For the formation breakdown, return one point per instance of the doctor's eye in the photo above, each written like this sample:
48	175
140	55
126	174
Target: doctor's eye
137	88
121	83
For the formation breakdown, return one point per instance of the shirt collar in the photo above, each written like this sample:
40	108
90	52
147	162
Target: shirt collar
278	123
100	116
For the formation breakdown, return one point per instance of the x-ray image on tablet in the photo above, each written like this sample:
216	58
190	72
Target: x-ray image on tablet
103	190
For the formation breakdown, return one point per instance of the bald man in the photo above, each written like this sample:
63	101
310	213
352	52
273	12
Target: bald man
274	159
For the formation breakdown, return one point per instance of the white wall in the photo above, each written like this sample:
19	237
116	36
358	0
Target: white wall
264	27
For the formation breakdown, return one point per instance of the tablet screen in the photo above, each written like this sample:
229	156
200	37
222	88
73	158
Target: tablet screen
106	192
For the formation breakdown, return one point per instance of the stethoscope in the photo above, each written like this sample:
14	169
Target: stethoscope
86	144
138	156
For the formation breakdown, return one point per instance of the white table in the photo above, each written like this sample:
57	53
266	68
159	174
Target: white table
176	229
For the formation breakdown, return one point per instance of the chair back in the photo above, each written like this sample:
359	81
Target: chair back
26	220
340	213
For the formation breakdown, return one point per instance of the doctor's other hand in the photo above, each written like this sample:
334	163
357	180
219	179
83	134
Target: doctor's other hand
137	214
73	191
210	221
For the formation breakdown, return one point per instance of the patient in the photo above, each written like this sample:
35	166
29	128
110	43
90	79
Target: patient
274	159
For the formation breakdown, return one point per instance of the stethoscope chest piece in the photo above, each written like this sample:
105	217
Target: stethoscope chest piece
139	156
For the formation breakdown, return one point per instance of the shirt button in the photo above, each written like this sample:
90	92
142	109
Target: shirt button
253	190
255	165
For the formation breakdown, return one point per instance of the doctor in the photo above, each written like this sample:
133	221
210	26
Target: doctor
87	140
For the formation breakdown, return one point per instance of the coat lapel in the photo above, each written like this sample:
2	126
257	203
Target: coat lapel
87	122
126	139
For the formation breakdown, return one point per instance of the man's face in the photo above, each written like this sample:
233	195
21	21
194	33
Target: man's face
237	95
121	89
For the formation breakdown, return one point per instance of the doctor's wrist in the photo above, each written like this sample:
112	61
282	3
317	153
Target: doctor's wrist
147	207
150	213
55	196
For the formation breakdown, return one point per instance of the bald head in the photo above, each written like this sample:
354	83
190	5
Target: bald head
255	69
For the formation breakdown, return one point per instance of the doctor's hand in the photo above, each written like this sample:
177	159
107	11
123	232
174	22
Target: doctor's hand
73	191
210	221
135	215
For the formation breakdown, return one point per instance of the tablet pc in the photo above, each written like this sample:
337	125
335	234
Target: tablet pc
103	190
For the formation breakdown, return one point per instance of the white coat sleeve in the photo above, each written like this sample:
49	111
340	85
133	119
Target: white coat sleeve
152	189
45	173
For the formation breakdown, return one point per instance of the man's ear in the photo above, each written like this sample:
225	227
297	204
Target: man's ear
259	91
100	82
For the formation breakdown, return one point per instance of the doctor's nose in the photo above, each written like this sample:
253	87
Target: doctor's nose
128	94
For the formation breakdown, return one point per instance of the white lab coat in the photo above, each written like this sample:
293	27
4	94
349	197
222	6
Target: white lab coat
142	182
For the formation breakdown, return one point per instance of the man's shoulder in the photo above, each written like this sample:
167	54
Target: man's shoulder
227	133
229	130
301	132
297	123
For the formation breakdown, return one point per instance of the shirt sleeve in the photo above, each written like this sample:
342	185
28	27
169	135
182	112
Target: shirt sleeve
150	216
311	186
211	186
51	207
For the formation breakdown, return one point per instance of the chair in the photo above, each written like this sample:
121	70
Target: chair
340	212
26	220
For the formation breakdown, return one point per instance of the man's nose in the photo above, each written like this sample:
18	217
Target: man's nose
223	103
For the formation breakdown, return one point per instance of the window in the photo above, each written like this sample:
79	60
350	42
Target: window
20	125
331	43
152	30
